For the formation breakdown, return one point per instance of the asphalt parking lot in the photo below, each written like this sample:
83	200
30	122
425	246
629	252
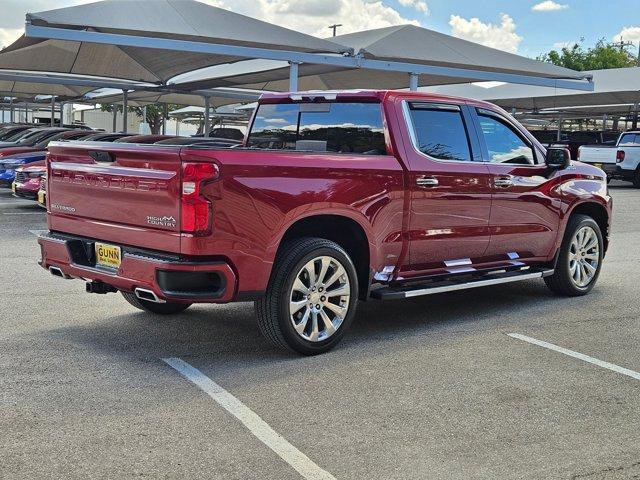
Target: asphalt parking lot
426	388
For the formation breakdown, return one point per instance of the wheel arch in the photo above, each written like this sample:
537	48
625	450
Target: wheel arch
343	230
598	212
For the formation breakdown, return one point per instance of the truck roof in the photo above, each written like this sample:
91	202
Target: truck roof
364	94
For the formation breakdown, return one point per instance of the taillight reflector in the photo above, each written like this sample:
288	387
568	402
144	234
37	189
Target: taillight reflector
196	209
620	156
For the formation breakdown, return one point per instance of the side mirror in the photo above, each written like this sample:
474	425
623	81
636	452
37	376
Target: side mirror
558	158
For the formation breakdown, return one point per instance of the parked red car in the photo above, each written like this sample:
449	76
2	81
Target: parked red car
37	139
360	194
27	181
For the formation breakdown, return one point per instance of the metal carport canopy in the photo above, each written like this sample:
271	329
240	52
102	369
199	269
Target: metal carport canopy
59	85
612	87
217	97
83	39
176	36
388	55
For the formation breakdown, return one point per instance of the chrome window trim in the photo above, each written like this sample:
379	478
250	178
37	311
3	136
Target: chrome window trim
414	139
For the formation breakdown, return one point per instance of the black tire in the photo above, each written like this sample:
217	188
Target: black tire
636	179
272	310
561	282
168	308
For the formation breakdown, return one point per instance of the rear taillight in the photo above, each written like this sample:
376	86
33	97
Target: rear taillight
620	156
196	209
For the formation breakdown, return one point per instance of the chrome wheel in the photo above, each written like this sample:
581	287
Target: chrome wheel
319	298
584	256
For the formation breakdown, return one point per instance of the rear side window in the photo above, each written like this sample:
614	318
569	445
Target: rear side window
322	127
440	132
504	145
629	139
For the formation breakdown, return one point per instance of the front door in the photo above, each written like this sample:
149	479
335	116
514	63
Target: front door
450	189
524	215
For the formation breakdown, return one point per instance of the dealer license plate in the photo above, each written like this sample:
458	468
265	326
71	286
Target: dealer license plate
108	255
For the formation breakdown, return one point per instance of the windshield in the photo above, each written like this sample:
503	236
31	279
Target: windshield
36	137
15	136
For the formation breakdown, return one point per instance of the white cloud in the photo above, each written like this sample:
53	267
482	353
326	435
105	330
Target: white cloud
419	5
315	16
503	36
548	6
561	45
628	34
9	35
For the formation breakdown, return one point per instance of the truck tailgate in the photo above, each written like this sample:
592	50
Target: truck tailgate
127	194
598	155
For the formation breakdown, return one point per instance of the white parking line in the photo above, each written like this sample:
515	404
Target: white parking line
37	233
258	427
580	356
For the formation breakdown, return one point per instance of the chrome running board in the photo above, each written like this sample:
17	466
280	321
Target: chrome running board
451	285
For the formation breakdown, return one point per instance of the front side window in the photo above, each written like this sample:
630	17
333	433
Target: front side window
504	145
322	127
440	132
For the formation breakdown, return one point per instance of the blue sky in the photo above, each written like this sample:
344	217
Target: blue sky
511	25
541	30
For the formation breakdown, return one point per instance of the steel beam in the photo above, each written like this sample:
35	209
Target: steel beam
165	114
293	76
207	119
125	105
357	61
53	110
413	82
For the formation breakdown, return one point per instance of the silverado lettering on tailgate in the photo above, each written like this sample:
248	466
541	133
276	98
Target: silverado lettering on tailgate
118	182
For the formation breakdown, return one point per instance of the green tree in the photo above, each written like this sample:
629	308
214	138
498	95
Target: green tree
601	56
155	113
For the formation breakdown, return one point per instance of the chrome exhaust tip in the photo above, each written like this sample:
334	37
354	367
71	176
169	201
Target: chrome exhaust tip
148	295
58	273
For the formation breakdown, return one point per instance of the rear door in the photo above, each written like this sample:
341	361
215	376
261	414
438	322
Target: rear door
450	188
524	216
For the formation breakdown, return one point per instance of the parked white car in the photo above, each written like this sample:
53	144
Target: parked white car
621	161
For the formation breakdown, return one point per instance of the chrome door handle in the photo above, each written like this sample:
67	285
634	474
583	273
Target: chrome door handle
425	181
503	182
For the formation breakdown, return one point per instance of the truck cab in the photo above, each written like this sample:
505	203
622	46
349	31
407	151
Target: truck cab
333	198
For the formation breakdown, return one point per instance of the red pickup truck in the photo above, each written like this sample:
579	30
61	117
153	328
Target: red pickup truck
333	197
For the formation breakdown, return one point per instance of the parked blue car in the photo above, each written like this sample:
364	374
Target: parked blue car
9	164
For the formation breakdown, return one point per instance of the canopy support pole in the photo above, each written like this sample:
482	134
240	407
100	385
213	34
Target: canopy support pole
53	110
293	76
559	132
114	126
11	109
413	82
125	106
26	112
634	124
207	120
165	114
